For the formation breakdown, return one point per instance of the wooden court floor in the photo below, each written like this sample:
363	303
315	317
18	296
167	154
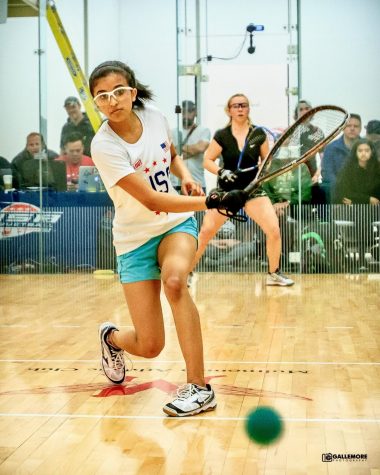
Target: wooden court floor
310	351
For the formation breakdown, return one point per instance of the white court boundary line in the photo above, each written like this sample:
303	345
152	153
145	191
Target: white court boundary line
193	419
338	328
228	362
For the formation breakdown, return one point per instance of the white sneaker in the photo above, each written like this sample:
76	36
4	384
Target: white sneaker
191	399
112	361
278	278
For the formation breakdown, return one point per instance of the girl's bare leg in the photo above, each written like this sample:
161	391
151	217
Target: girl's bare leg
147	339
262	212
175	255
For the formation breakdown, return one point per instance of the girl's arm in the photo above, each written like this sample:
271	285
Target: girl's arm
137	187
212	152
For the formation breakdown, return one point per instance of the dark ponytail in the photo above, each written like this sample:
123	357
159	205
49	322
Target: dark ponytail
108	67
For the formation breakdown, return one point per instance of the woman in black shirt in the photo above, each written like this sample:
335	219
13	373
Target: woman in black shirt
359	180
358	184
228	143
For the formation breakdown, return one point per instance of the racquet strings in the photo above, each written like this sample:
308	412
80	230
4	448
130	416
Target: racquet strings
302	140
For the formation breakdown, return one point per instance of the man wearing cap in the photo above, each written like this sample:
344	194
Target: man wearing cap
190	142
77	121
373	134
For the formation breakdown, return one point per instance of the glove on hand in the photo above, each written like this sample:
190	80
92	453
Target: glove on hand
231	201
226	177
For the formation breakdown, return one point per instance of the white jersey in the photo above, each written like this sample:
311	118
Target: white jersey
149	157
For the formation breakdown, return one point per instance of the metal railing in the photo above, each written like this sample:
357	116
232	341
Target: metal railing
315	239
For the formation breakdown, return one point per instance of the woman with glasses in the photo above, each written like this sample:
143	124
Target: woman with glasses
228	143
154	231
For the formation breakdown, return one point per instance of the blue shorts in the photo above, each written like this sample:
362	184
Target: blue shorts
141	263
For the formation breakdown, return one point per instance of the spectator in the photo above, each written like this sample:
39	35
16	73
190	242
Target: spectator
301	108
284	190
74	158
4	163
373	134
336	153
228	251
35	148
5	166
313	164
358	182
191	142
77	122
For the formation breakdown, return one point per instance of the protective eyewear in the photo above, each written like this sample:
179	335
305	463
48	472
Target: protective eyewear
119	93
242	105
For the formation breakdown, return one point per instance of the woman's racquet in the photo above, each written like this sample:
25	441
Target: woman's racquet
300	142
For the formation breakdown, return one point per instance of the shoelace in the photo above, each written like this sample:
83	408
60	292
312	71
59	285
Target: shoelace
185	391
117	358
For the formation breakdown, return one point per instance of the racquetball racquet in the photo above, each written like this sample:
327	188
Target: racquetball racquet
300	142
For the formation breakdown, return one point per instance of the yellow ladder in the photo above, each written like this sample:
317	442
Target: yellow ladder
72	64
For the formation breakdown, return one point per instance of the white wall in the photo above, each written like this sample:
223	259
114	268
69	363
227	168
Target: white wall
18	84
340	54
340	60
